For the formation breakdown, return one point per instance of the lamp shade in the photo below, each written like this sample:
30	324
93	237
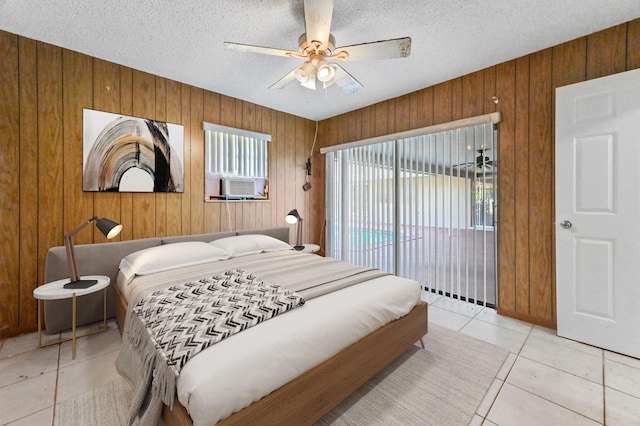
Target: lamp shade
108	227
292	217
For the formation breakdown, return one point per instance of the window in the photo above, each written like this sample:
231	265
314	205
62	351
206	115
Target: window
236	163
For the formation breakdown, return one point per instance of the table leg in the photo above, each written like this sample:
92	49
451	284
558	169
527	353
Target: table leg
104	307
39	326
73	326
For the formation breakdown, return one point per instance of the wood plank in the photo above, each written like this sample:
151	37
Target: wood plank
425	106
249	215
228	118
28	229
261	206
186	195
570	62
106	92
265	127
402	113
161	197
473	95
357	121
239	206
300	155
144	207
380	120
505	91
606	52
489	90
126	108
367	120
633	45
174	200
456	99
290	187
522	185
211	114
50	151
414	112
197	161
442	102
10	315
391	115
77	94
280	143
541	217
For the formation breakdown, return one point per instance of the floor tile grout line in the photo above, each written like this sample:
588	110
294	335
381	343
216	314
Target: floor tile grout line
55	393
604	390
502	382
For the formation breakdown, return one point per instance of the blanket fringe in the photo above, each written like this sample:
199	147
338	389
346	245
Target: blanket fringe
163	385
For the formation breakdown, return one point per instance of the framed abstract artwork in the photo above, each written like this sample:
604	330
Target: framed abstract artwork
129	154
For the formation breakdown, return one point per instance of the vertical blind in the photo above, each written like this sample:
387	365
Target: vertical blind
420	206
235	152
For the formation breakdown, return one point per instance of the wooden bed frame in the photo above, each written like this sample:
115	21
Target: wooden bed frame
307	398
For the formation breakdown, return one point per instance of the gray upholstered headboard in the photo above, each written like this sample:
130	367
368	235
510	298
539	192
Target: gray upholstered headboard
104	259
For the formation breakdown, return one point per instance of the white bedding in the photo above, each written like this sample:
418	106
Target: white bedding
247	366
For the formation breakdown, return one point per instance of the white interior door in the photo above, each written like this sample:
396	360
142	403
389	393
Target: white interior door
598	212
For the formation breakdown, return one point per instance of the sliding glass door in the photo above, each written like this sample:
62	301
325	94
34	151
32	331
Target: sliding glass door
421	207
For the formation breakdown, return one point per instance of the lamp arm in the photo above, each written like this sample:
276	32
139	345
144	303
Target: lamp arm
79	228
299	236
71	257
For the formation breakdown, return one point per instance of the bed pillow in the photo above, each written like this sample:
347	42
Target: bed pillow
169	256
242	245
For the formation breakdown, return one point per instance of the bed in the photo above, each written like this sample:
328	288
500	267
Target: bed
303	396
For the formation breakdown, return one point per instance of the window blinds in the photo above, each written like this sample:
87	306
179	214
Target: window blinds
236	152
420	206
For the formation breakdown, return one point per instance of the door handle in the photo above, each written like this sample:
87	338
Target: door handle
566	224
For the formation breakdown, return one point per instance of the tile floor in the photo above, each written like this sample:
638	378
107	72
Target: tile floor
546	380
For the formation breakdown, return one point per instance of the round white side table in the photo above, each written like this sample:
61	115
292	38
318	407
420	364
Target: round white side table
55	291
310	248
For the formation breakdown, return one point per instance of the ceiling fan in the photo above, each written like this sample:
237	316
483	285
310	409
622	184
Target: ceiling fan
481	162
317	48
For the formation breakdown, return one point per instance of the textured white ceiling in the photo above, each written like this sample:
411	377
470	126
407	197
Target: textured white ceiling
183	40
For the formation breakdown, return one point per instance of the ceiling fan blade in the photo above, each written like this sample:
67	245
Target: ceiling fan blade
464	165
284	80
345	80
259	49
386	49
317	20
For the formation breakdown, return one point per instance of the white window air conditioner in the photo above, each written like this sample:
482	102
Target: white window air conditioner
235	187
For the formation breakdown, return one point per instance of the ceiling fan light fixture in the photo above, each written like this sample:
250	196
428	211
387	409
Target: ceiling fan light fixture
304	72
325	72
310	83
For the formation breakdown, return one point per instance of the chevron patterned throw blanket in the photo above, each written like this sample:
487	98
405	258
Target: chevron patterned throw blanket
172	325
186	319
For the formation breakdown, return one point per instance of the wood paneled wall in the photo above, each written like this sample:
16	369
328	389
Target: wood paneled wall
43	89
525	88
